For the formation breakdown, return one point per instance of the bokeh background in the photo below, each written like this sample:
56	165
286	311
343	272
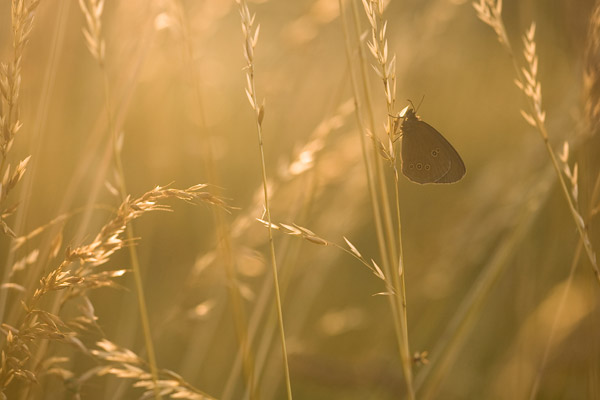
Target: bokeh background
487	259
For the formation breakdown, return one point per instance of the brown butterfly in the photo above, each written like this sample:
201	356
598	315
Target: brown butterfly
427	157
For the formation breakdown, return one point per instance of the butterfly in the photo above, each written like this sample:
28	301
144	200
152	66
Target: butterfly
427	157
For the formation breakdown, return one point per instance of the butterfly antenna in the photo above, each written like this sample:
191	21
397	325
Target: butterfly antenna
421	102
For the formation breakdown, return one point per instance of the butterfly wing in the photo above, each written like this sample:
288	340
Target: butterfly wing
427	157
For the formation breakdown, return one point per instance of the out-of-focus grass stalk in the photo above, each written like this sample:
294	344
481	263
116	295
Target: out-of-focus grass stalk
535	386
250	40
224	245
454	337
561	306
490	12
92	10
387	256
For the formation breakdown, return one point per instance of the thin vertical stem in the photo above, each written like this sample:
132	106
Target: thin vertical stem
251	37
272	254
397	307
378	47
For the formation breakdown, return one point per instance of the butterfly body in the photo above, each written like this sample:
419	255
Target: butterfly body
427	157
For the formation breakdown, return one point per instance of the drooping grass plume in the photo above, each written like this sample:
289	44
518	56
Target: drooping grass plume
78	273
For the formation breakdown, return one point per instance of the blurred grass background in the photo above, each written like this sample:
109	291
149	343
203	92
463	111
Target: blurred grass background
340	337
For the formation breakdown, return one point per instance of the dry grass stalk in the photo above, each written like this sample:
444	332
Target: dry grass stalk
372	162
92	10
250	41
20	241
591	77
382	218
108	240
591	95
490	12
386	70
38	324
571	174
9	181
302	163
378	192
22	16
528	81
308	235
125	364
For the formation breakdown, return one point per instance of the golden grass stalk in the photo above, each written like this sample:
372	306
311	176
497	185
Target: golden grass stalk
591	97
591	76
224	239
250	40
92	10
386	250
125	364
350	249
9	181
385	67
384	221
362	132
22	17
490	12
38	324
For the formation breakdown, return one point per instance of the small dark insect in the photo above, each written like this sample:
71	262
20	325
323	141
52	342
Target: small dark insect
427	157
